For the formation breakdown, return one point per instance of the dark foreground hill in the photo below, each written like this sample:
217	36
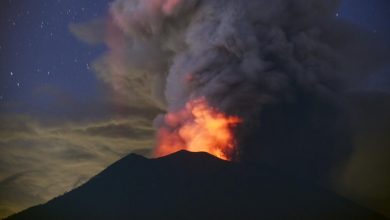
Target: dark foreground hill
194	186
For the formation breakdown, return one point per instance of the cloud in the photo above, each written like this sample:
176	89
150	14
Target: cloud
365	179
91	32
39	161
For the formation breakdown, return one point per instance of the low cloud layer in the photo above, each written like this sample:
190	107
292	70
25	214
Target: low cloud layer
365	178
39	162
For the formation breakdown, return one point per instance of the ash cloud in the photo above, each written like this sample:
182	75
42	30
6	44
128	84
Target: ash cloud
283	66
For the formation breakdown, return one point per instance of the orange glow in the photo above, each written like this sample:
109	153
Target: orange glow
197	127
170	6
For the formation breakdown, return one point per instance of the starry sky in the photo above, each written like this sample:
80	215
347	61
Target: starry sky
58	123
38	53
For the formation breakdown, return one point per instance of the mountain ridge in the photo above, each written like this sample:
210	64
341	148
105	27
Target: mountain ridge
187	185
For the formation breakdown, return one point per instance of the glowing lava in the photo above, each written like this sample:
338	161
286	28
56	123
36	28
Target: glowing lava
197	127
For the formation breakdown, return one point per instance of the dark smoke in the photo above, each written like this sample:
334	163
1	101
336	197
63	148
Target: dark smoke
281	65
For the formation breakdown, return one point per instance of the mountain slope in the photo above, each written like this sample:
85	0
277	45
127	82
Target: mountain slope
194	186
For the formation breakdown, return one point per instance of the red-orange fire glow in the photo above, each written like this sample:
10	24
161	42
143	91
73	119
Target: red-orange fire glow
198	128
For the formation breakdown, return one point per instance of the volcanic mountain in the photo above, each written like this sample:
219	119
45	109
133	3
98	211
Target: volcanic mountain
197	186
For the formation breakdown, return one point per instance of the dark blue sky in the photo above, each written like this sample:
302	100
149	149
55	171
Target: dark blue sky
43	66
45	71
373	15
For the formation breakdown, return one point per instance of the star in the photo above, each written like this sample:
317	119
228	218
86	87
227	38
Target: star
18	84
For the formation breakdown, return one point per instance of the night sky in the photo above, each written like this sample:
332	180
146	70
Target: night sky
59	125
38	52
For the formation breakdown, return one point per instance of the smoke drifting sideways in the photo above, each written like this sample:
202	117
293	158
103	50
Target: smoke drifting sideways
282	66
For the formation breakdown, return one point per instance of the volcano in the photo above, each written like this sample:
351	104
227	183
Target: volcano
188	185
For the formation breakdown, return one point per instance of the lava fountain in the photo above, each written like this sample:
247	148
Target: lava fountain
197	127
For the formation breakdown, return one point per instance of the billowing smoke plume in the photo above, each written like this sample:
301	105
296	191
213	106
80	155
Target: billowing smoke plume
280	65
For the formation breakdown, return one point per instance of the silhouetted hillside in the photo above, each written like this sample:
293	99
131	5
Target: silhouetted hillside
194	186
